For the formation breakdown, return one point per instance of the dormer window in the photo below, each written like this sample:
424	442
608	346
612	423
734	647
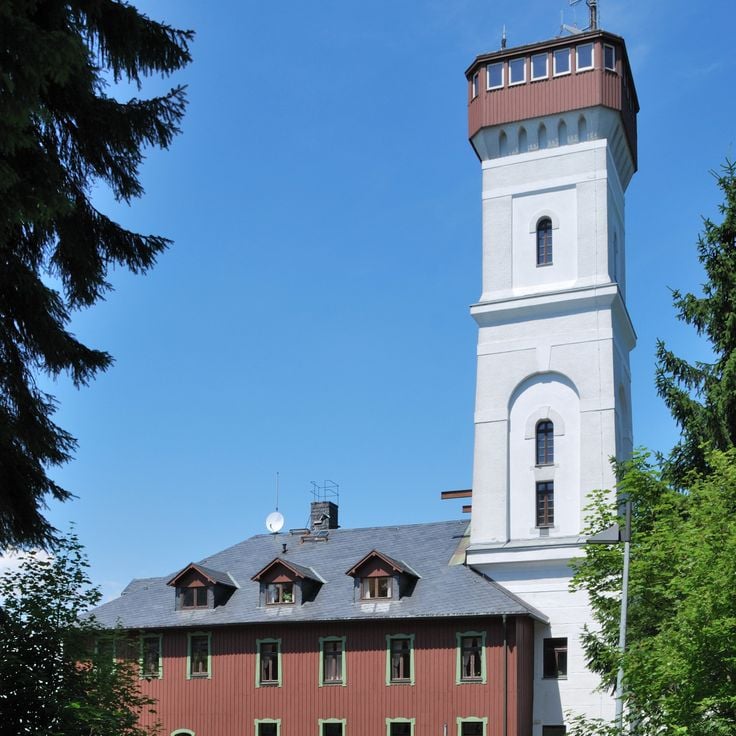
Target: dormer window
279	593
199	587
377	587
193	597
380	577
284	582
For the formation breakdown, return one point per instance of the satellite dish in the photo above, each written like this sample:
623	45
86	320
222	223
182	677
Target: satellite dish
275	522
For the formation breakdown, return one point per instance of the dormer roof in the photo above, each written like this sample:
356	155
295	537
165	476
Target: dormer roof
214	577
299	571
396	566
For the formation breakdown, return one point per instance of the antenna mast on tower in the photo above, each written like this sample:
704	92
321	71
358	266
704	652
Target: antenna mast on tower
592	18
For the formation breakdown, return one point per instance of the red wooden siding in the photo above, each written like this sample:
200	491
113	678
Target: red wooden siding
228	702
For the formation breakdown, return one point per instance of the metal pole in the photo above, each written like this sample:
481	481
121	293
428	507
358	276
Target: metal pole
622	623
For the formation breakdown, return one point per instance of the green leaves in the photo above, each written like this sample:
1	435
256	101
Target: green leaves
60	135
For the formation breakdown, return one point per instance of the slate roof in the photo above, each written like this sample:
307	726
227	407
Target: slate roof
443	590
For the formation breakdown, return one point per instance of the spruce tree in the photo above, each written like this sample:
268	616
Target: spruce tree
60	135
702	396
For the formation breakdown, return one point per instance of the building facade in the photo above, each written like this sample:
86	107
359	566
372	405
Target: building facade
452	629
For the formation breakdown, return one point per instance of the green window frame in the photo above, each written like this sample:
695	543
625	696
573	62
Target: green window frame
142	657
460	679
182	732
322	722
279	670
190	675
471	719
390	721
322	652
275	721
390	639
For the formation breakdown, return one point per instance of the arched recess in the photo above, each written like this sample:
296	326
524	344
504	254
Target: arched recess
503	143
582	129
523	140
544	396
542	136
562	133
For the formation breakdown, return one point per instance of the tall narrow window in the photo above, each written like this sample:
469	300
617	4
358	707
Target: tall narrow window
268	666
555	658
332	661
545	504
544	242
471	657
150	659
400	659
474	86
545	442
199	656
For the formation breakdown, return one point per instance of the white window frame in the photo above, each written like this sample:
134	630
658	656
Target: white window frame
555	73
474	85
523	80
546	66
613	49
488	75
579	68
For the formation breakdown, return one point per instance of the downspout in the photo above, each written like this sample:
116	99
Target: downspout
505	680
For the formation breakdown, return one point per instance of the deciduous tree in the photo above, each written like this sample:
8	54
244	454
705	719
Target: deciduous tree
61	134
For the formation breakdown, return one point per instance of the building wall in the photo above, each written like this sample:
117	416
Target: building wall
227	703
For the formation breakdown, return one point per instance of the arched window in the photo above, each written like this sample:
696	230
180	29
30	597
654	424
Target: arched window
545	442
544	242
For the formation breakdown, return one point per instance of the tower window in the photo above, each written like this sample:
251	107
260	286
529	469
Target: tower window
545	442
474	85
609	57
517	71
584	57
561	61
544	242
545	504
495	75
539	66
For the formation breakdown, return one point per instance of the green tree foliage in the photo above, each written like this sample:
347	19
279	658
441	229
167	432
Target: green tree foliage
55	675
60	135
680	663
702	396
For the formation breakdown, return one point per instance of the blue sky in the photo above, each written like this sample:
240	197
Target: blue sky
311	317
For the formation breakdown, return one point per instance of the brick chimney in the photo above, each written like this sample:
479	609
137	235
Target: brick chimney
323	515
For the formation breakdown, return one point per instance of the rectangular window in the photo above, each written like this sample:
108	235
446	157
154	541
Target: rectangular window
471	726
495	75
609	57
555	658
584	57
471	657
332	661
561	61
194	597
554	730
277	593
539	66
199	656
331	727
400	659
517	71
268	727
474	85
150	656
400	727
375	587
545	504
268	662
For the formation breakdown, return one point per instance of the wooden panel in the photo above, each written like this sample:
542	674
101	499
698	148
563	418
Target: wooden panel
227	703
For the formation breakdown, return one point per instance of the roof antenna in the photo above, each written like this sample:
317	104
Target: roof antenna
503	37
593	18
275	520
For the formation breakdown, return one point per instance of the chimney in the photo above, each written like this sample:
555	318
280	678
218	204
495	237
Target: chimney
323	515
